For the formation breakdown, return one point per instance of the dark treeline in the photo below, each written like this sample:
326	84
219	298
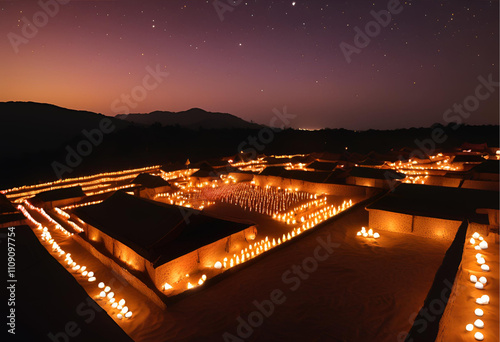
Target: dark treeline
135	146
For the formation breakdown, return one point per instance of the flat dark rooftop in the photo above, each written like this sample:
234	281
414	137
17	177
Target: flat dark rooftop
438	202
322	166
369	172
468	158
489	166
150	181
158	232
206	173
306	176
173	167
60	194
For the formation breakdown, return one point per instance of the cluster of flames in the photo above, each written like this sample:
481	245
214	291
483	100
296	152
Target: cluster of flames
264	200
259	247
368	233
184	199
44	214
178	174
479	283
323	211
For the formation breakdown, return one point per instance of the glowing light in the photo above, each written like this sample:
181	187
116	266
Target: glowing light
479	312
111	295
218	265
479	285
128	314
483	280
485	267
469	327
190	286
472	241
481	261
124	310
114	305
479	324
119	316
483	245
478	336
204	277
167	286
90	274
92	279
473	278
121	302
475	235
485	299
102	294
101	285
376	235
107	289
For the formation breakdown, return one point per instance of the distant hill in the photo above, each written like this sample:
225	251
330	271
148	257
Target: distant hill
194	118
28	127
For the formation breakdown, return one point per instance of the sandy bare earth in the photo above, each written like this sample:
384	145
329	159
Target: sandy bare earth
361	290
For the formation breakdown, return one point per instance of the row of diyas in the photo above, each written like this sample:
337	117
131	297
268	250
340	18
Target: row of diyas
252	250
78	205
69	262
321	210
31	190
264	200
479	283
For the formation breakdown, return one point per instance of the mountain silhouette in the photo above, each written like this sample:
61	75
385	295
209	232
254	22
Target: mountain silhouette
27	127
194	118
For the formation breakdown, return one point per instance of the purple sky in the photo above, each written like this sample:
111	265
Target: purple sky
262	55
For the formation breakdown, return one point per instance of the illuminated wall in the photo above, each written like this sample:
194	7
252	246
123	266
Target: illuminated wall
199	260
318	188
170	272
418	225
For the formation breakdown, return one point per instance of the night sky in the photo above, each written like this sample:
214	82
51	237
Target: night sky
262	55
